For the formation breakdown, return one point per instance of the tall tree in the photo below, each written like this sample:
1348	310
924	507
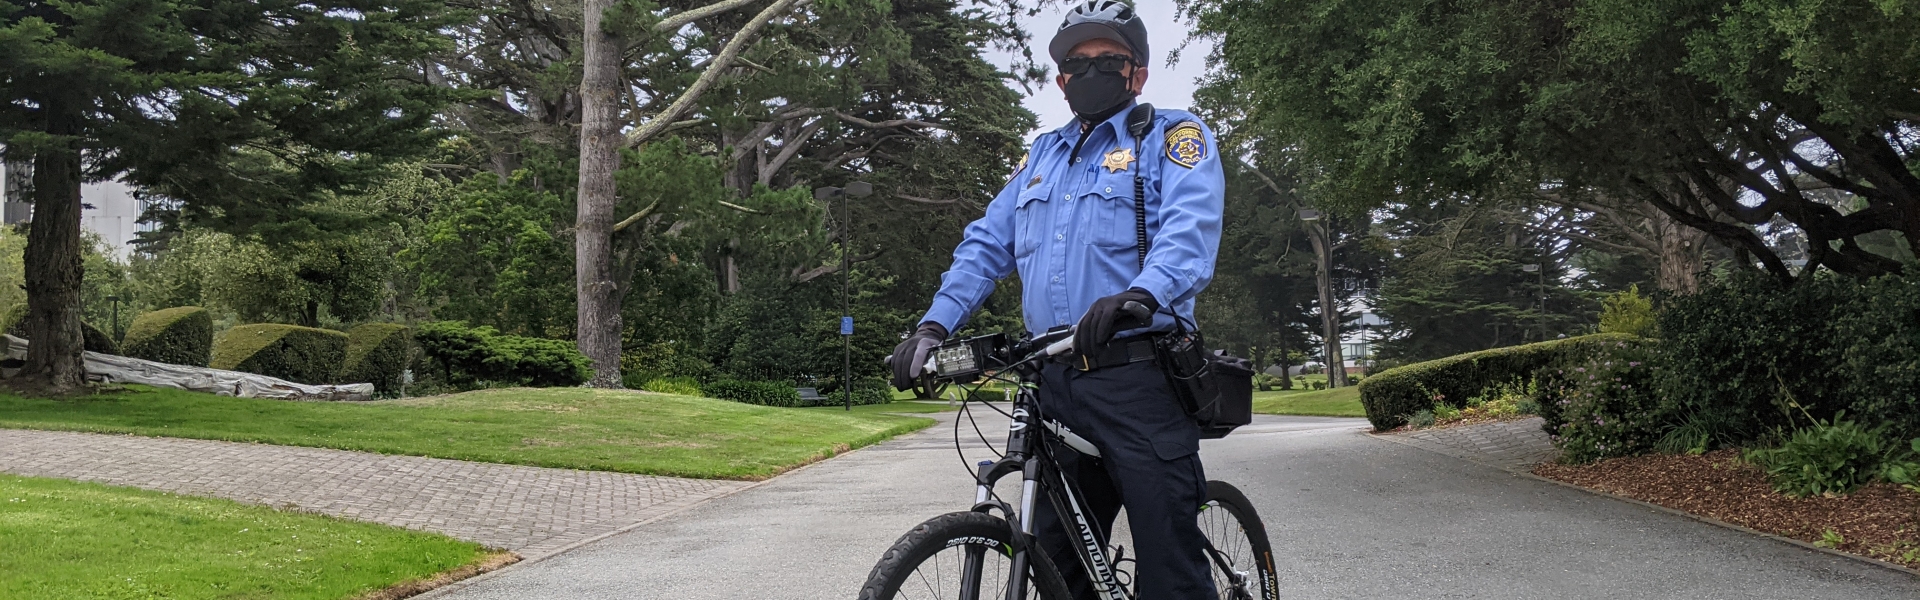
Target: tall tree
1663	101
244	111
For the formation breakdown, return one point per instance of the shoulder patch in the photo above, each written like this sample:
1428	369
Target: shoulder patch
1187	144
1023	164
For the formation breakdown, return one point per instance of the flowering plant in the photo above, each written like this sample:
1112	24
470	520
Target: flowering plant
1603	405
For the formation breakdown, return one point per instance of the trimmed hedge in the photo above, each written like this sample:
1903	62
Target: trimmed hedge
181	336
763	393
376	354
1390	396
92	339
866	390
290	352
470	356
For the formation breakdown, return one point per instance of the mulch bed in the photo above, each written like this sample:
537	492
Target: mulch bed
1880	521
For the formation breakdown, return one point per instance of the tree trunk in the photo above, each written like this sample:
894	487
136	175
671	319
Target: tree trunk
1682	255
600	140
1286	369
53	272
1329	313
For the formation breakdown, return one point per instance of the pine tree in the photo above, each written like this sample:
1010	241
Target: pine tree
245	111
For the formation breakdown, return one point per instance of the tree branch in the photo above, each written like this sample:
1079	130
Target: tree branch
677	21
629	221
740	208
723	60
887	124
819	271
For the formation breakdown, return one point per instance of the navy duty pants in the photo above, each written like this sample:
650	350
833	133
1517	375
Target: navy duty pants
1149	464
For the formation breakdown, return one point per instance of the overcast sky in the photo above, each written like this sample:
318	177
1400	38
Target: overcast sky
1168	85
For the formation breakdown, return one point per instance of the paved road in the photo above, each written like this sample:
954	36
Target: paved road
530	510
1350	516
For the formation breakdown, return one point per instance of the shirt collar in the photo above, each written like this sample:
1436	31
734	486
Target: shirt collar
1070	132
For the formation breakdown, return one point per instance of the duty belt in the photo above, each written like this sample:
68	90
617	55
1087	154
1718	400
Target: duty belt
1115	353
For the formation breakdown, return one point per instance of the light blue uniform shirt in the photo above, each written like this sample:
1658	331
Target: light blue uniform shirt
1066	222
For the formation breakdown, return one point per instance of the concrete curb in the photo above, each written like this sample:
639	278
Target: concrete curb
1658	508
528	560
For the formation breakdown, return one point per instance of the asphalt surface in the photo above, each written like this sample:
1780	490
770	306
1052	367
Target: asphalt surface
1349	516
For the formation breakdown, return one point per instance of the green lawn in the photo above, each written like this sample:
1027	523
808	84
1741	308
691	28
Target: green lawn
1337	402
604	430
896	407
66	539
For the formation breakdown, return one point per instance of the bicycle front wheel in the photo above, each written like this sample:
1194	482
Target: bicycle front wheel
965	555
1241	558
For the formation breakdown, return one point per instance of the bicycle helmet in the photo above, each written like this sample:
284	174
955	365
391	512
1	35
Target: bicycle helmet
1096	19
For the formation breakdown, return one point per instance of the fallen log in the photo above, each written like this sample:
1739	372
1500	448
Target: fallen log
107	368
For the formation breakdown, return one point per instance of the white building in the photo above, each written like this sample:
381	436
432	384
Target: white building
108	209
1357	347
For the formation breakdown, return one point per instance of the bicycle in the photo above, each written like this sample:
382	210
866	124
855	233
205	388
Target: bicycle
916	566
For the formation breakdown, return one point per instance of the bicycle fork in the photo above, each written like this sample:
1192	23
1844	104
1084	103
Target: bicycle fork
1031	462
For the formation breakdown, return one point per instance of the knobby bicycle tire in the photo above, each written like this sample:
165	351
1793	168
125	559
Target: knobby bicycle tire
901	575
1247	533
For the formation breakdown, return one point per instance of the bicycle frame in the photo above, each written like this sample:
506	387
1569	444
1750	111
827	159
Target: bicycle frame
1028	452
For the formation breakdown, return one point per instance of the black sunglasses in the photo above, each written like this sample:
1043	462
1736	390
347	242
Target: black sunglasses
1106	63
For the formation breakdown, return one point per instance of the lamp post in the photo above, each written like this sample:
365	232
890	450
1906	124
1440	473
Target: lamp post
1541	293
857	189
1329	319
116	316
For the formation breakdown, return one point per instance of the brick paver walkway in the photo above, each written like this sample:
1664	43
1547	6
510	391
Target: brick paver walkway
1510	445
532	511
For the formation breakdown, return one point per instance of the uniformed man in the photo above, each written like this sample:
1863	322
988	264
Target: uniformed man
1066	222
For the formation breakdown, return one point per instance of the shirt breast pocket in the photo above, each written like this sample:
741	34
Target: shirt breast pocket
1110	211
1030	220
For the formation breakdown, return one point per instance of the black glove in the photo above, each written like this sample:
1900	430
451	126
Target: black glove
1097	327
910	357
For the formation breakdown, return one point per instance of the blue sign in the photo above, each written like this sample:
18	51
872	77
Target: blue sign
846	325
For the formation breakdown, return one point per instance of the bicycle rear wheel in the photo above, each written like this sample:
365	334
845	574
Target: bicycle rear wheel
1242	559
931	562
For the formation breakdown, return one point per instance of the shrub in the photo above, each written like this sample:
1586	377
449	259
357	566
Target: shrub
1391	395
764	393
92	339
1830	457
181	336
872	390
1421	419
290	352
1627	312
1603	402
376	354
1745	348
685	386
537	362
470	357
986	394
1879	352
661	360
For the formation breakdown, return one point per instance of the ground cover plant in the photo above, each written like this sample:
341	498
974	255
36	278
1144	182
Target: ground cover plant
1337	402
67	539
1500	403
605	430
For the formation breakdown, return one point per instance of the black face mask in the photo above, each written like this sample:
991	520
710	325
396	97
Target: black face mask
1097	95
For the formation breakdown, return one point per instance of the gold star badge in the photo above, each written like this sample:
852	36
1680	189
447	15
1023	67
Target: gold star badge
1118	160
